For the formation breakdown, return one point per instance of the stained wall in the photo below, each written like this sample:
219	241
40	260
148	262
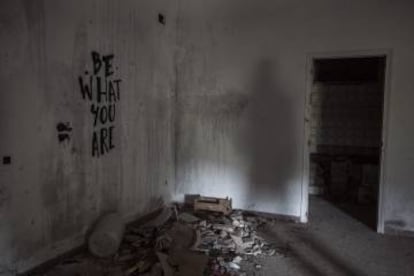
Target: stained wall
75	155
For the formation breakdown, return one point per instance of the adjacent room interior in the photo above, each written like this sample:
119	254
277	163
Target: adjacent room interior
346	133
206	137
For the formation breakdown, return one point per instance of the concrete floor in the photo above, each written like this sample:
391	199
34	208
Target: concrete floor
333	243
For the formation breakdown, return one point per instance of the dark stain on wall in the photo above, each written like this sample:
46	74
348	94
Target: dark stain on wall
6	160
270	138
64	131
161	18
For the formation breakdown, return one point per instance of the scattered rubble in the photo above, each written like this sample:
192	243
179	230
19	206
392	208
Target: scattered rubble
230	240
188	218
161	219
189	243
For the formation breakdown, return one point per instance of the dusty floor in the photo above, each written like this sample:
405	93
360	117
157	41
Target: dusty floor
332	243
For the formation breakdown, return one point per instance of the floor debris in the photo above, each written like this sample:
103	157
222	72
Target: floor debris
161	219
188	218
201	243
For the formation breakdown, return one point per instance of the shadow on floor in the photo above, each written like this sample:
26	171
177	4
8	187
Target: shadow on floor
312	256
364	213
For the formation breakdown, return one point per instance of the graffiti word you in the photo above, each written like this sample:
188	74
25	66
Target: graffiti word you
102	90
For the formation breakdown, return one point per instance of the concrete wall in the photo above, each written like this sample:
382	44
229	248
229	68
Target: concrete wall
53	191
242	83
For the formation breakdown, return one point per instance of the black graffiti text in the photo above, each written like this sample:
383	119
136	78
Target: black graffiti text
102	141
102	90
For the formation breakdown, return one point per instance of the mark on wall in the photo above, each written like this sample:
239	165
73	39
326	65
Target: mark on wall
6	160
64	130
102	90
161	18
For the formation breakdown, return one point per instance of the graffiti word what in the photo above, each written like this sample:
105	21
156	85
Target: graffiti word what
102	91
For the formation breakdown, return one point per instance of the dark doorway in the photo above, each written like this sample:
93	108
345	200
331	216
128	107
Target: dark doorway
346	104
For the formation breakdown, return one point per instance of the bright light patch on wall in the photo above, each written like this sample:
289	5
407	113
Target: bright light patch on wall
214	180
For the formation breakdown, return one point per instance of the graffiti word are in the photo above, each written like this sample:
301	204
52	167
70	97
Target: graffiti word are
102	90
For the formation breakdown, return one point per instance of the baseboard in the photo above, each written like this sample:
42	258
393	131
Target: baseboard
79	245
287	218
398	232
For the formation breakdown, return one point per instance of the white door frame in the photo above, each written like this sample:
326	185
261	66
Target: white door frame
387	53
